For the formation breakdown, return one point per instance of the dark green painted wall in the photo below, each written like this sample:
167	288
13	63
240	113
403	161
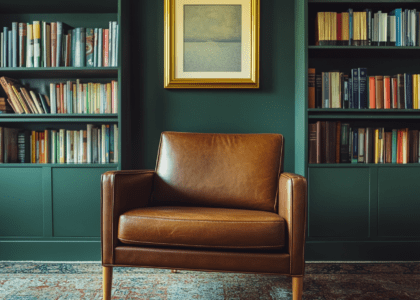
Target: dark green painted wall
269	109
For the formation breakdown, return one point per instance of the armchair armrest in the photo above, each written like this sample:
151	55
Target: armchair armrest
292	207
120	192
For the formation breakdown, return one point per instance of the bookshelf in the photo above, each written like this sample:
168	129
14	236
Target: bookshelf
356	211
51	211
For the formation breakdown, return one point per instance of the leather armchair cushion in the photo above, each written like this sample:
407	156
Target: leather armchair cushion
202	227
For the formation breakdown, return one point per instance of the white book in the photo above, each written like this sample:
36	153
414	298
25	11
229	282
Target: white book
99	138
53	146
44	44
14	44
81	147
59	43
76	148
85	108
116	44
63	147
89	143
385	27
78	97
100	47
413	27
116	152
103	139
53	99
68	144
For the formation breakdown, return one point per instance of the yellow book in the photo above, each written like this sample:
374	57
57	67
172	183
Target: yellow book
108	98
47	146
98	98
345	26
363	33
376	153
415	91
320	28
418	91
37	43
30	48
334	27
356	20
21	101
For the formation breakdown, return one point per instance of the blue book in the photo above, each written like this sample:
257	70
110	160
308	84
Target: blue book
44	103
100	47
82	47
355	77
9	50
397	13
408	90
355	147
394	146
363	91
350	92
107	144
95	47
326	90
4	58
14	44
350	11
111	144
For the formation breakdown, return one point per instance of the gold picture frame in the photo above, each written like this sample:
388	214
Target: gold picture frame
193	47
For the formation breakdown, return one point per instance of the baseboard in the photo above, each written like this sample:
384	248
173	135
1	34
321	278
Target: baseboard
50	250
362	251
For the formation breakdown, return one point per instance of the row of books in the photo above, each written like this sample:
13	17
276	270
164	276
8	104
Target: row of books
56	44
359	90
71	97
366	28
96	144
336	142
4	106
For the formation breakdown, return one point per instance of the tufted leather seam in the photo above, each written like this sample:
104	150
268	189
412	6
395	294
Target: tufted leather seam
183	220
201	246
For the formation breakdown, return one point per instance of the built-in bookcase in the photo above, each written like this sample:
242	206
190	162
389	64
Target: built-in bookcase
356	211
52	211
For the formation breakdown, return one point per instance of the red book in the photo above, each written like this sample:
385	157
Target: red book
387	92
106	48
339	28
394	90
372	92
399	147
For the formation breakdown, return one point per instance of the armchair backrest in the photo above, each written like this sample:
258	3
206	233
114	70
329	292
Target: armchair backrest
218	170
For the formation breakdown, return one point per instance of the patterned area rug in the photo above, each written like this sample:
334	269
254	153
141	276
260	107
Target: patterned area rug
322	281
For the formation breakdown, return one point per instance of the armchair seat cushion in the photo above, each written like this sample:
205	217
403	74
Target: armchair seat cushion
202	227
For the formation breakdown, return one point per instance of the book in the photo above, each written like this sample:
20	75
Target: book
363	91
372	92
330	141
22	44
89	47
379	86
30	46
311	88
312	143
14	44
394	146
387	92
10	143
37	43
361	145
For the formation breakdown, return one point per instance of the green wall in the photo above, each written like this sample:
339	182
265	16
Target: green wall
269	109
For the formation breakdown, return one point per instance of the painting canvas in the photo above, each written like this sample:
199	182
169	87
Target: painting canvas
212	38
212	43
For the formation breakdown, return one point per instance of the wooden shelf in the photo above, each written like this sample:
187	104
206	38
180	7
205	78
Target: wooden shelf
361	165
60	72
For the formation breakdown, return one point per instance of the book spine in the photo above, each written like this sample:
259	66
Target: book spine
78	48
22	44
47	154
387	92
14	44
355	150
312	143
95	47
76	146
106	48
110	44
59	43
9	49
355	76
117	38
361	146
408	90
311	88
73	47
37	43
111	143
82	47
103	146
107	143
362	80
326	90
89	47
100	47
116	143
89	143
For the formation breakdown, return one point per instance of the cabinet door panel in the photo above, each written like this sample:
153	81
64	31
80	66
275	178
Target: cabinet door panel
338	202
21	202
399	202
77	201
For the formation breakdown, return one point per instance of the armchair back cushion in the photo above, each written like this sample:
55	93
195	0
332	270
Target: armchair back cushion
218	170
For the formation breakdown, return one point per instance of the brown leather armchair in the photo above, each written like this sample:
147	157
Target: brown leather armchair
215	202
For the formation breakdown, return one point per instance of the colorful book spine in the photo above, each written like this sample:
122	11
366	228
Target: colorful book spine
22	44
82	47
89	47
100	47
363	90
14	44
37	43
59	44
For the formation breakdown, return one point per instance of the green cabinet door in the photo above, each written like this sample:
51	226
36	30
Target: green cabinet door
76	201
399	202
21	202
338	204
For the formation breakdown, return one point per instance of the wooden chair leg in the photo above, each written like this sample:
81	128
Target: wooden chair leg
107	282
297	287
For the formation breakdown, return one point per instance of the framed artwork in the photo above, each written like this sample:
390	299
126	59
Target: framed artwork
212	43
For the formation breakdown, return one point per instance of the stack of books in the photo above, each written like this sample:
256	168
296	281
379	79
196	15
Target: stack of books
4	106
336	142
96	144
358	90
365	28
71	97
55	44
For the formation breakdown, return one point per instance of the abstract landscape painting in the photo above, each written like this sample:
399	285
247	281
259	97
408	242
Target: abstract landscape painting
212	38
